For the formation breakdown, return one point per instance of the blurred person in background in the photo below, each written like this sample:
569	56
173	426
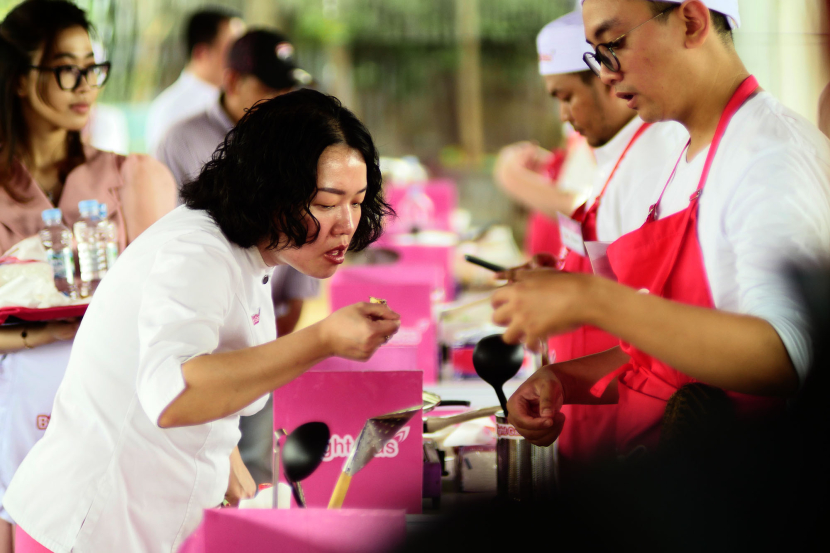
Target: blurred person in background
208	34
712	331
146	422
50	81
630	156
259	66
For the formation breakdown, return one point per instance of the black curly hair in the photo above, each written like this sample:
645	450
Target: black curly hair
261	180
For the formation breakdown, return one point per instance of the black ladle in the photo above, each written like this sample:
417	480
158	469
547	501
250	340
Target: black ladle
496	363
302	453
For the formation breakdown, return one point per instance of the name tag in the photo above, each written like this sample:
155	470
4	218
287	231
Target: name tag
598	254
570	232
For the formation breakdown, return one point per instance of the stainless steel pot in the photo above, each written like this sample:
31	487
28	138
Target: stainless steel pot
524	472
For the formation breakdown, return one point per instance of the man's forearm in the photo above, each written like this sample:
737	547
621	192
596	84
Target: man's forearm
535	192
213	391
734	352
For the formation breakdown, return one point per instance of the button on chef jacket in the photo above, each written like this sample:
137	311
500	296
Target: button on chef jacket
105	477
766	205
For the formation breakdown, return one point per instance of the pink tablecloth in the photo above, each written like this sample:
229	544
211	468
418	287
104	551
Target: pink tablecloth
297	530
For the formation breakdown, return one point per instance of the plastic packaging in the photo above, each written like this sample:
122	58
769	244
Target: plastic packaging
85	230
57	241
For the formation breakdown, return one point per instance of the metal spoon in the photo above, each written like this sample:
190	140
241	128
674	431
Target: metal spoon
302	453
496	363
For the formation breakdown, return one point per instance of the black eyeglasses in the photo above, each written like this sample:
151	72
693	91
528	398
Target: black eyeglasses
604	54
69	76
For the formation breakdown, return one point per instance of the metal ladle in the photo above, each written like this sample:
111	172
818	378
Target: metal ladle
302	453
496	363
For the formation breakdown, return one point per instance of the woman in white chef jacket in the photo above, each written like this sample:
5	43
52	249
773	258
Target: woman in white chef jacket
179	340
49	81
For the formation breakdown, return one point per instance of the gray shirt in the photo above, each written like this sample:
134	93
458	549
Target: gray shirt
186	147
189	144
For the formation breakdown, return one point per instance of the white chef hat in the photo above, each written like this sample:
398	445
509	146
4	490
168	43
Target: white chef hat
561	44
729	8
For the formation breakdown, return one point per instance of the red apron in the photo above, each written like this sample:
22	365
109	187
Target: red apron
664	258
590	432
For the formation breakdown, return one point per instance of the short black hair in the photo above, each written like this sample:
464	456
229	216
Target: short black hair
261	180
203	26
719	21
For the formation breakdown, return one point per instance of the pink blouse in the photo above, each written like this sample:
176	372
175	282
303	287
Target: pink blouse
101	177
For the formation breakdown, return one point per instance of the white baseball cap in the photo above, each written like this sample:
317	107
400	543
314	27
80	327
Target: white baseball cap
561	44
729	8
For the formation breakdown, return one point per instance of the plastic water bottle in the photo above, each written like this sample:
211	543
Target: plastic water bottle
57	241
85	229
107	241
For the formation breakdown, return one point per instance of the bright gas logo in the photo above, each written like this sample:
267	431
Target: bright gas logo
43	421
341	446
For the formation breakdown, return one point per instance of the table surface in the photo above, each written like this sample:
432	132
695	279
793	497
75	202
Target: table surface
477	392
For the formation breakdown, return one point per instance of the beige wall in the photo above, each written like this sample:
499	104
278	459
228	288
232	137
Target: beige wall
783	43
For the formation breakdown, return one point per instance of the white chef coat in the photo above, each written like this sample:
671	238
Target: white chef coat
183	99
624	206
580	168
765	205
29	379
105	477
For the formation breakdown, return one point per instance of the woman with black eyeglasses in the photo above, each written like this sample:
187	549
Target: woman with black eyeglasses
49	81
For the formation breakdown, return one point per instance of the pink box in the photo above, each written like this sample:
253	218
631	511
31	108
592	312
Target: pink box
444	196
407	290
298	531
419	254
344	398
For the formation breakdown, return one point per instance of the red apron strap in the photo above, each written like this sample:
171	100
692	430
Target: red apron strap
746	89
643	128
582	212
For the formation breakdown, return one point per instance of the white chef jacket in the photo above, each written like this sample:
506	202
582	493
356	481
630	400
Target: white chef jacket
105	477
765	205
183	99
580	168
624	206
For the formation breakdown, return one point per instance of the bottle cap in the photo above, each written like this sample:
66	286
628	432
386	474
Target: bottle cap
53	214
88	206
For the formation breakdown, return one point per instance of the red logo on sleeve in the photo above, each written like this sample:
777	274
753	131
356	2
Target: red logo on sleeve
43	421
255	318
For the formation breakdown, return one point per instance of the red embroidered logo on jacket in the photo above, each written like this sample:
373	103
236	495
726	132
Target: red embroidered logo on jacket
255	318
43	421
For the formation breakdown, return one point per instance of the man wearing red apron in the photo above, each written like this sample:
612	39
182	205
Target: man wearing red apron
702	294
628	155
548	183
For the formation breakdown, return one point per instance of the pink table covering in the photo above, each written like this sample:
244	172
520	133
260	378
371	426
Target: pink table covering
297	531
